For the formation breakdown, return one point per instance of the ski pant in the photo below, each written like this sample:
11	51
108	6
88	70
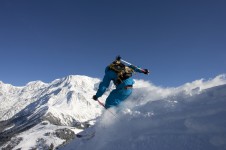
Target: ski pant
117	96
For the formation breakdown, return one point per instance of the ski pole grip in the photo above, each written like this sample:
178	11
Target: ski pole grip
145	71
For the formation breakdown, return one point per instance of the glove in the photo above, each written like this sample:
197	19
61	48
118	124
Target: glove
146	71
95	97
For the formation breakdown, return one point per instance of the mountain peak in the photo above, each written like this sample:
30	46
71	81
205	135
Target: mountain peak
37	83
74	80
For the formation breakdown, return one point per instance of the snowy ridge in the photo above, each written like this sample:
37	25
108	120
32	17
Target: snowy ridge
68	93
189	117
14	99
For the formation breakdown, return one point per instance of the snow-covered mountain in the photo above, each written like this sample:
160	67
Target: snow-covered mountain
63	102
43	116
71	94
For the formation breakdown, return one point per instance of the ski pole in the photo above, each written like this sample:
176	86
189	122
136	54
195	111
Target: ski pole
118	58
101	103
106	108
132	65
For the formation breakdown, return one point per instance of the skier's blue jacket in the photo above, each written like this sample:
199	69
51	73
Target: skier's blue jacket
120	93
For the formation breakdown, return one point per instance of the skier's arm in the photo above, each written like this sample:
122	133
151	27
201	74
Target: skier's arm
103	85
137	69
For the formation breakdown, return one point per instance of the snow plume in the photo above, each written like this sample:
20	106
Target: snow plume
189	117
145	91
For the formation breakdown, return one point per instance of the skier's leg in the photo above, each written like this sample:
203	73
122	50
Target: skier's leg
117	96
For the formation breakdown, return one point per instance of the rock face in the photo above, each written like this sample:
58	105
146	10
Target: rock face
65	134
13	142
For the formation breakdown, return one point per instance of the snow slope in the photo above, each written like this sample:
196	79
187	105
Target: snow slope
189	117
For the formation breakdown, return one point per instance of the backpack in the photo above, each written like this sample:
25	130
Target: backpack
123	71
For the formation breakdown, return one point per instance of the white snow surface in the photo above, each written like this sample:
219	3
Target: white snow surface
31	137
189	117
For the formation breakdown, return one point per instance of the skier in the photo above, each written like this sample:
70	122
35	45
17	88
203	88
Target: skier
121	75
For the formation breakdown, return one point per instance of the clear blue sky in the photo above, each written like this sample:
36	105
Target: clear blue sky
178	40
